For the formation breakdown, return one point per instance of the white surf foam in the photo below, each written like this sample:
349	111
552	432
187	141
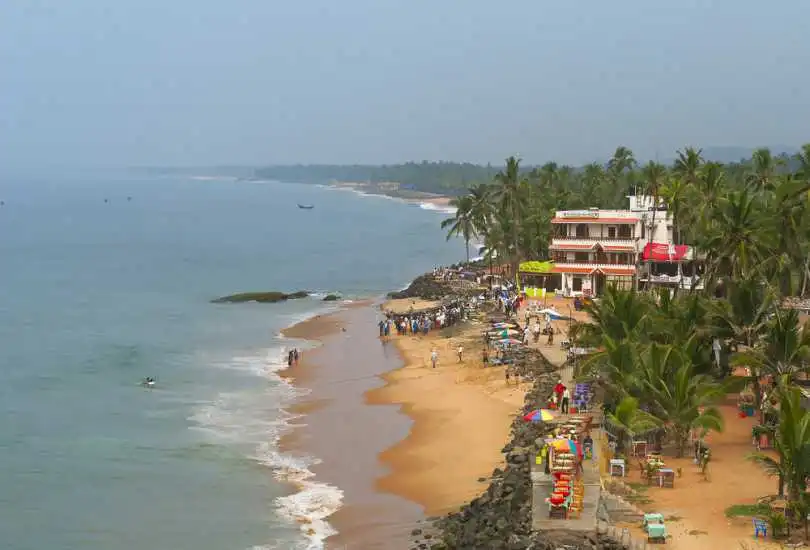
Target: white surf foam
438	208
257	421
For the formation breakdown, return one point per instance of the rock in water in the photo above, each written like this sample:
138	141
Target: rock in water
331	298
261	297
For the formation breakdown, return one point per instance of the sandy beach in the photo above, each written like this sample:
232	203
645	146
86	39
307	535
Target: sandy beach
461	418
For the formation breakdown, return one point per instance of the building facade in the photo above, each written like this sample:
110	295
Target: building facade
594	248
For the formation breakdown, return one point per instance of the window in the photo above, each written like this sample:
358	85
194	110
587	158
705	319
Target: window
581	257
582	230
576	284
625	231
643	230
611	232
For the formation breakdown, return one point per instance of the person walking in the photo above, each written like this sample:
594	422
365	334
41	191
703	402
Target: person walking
460	353
434	357
566	398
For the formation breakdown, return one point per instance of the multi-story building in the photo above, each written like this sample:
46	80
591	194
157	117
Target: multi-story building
593	248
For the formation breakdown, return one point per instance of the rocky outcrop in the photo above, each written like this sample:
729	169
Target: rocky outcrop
261	297
331	298
426	287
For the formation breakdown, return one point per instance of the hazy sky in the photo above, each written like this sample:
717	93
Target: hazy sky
191	82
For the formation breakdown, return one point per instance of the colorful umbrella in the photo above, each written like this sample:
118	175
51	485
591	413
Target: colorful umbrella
509	341
540	415
565	445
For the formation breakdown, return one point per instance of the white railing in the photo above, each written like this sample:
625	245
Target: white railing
562	242
579	265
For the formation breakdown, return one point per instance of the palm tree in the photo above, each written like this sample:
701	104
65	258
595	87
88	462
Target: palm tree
783	349
508	194
792	446
619	314
593	180
688	165
739	237
682	399
463	221
654	176
744	318
630	419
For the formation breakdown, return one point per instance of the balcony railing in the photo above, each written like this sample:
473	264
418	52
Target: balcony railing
588	237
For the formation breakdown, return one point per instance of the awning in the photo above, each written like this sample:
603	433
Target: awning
536	267
663	252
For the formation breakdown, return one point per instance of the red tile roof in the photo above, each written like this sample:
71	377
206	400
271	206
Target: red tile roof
618	270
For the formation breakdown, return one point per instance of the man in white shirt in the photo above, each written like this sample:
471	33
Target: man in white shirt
566	399
434	357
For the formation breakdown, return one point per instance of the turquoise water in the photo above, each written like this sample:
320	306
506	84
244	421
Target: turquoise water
95	296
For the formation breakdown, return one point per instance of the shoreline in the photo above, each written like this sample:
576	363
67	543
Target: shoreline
428	201
346	362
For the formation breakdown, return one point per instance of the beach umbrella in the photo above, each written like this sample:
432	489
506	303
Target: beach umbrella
540	415
565	445
509	341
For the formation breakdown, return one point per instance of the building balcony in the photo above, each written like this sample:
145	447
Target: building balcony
682	281
582	268
583	244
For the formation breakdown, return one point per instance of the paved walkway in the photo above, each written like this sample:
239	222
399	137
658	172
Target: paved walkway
542	483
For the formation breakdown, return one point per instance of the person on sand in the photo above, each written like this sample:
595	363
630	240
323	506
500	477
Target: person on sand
381	324
507	374
485	357
290	359
460	353
550	340
296	356
434	357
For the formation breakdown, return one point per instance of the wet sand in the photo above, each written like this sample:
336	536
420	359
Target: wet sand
345	433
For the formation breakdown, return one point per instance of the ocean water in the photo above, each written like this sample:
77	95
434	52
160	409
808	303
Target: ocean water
106	279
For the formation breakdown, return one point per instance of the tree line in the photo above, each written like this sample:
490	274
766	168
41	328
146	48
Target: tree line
742	217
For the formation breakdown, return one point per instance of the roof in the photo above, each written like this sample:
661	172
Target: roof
594	220
618	270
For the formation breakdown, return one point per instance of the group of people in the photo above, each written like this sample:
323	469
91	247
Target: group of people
415	323
292	357
561	397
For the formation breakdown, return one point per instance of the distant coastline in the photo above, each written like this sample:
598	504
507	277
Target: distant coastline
393	190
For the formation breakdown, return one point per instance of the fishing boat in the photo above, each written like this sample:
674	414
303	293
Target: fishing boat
306	206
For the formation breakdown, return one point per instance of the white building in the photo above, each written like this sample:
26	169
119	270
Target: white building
592	248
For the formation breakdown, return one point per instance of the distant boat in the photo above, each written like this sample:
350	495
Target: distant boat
306	206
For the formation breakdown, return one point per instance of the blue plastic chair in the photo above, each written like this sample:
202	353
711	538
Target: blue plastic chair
760	527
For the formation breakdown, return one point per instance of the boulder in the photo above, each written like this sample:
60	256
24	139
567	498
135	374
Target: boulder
260	297
331	298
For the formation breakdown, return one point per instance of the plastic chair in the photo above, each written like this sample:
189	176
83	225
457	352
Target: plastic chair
760	527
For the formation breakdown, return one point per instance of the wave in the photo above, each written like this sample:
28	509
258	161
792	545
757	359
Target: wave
438	208
256	421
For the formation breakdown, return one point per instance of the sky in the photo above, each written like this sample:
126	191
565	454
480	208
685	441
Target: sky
203	82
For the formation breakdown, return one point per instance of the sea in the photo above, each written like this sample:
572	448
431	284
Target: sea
107	278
